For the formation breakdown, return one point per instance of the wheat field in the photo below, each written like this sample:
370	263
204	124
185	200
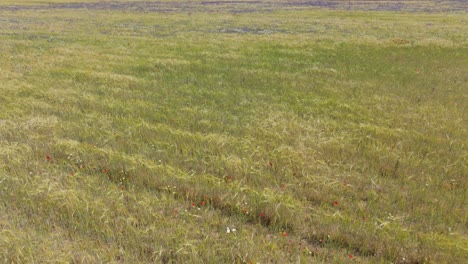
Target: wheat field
233	131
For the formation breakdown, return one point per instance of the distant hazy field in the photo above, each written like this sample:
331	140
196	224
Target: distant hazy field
233	131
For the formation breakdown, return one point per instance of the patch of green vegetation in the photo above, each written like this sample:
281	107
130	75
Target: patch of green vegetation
270	137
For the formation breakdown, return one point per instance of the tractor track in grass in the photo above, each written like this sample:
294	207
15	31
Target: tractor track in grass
251	6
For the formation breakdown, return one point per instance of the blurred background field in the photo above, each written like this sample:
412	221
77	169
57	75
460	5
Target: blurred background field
233	131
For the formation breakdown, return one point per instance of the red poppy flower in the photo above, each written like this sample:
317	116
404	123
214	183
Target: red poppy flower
193	204
285	234
350	256
202	203
48	158
261	215
271	164
335	202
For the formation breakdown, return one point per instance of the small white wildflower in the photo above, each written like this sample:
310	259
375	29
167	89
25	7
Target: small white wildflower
228	230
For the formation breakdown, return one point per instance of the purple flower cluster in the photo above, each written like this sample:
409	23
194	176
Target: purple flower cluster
257	6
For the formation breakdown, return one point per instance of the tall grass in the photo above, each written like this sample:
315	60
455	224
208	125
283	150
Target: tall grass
218	137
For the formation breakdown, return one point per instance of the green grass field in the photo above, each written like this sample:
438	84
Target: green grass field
232	132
